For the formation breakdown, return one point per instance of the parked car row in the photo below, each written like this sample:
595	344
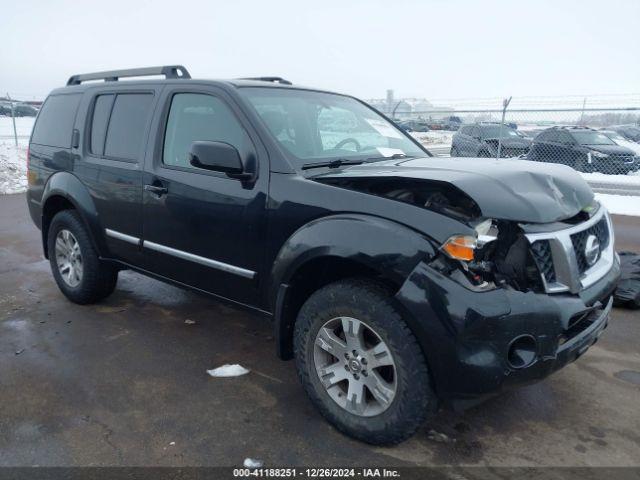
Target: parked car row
448	123
583	148
18	110
612	150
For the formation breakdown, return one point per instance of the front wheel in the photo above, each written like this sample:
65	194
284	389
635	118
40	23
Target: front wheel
76	267
360	364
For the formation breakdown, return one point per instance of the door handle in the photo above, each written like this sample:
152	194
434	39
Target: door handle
156	190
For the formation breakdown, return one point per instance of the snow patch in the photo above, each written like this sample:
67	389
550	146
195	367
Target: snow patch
252	463
13	167
620	204
632	178
228	371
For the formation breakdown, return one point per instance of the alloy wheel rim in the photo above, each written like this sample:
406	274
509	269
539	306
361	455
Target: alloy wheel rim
355	366
69	258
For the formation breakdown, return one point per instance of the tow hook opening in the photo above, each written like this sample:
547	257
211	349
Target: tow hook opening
522	351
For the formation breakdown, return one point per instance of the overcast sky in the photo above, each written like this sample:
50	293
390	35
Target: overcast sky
431	48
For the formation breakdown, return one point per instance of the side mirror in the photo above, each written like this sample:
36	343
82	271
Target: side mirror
218	157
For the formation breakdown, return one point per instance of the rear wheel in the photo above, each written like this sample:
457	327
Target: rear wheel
76	267
360	364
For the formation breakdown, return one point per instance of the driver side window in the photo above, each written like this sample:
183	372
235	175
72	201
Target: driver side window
195	117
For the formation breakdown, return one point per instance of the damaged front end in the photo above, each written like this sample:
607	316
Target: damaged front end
528	300
567	256
522	291
499	255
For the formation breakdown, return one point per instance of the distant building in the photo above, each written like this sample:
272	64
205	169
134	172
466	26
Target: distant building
409	107
390	106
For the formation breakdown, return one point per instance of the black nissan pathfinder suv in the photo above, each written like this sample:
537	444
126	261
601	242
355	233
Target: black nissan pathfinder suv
398	281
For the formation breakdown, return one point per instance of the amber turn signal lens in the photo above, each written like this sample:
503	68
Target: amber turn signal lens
460	247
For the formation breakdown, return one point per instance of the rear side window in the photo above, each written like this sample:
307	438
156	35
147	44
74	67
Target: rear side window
127	125
101	112
54	126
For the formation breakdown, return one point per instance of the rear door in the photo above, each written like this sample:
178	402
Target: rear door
203	228
116	132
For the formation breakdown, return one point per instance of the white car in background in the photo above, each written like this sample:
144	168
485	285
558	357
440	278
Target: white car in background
623	142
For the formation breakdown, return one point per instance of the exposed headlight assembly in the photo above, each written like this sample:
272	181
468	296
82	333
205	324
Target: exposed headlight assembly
462	247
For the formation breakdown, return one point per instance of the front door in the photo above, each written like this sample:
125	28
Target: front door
200	227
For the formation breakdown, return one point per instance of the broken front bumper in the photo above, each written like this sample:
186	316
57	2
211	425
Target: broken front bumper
469	338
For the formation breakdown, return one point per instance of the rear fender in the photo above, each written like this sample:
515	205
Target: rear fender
67	186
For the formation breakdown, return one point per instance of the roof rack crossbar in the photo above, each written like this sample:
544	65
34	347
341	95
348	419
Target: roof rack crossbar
269	79
169	71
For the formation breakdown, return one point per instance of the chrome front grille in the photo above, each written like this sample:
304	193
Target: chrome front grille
541	251
560	255
579	240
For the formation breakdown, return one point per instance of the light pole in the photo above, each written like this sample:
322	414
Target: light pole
505	104
13	117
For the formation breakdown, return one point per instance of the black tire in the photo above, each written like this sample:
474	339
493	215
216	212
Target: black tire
454	152
98	278
414	400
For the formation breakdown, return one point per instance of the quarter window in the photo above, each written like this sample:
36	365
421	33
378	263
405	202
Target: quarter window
199	117
54	125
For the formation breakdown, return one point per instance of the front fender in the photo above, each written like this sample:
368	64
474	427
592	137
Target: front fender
67	186
382	245
388	248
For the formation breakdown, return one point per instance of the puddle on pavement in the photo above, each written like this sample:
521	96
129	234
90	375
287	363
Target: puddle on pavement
630	376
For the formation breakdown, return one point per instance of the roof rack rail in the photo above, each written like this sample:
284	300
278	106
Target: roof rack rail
169	71
269	79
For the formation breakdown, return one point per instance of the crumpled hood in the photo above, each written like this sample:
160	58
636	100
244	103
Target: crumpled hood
508	189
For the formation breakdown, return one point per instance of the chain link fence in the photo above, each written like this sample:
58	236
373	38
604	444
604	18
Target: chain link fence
603	144
16	122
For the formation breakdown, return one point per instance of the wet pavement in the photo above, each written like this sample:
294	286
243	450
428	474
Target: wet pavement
124	383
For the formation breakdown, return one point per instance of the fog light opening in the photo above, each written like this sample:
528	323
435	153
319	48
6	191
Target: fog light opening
522	351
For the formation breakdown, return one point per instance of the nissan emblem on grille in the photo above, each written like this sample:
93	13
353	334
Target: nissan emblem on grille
592	250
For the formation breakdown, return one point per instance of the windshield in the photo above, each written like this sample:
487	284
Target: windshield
494	132
632	132
592	138
616	137
316	127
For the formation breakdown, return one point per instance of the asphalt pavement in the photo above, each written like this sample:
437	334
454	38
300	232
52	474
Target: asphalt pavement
124	382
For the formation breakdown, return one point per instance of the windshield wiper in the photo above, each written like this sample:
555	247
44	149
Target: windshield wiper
395	156
338	162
